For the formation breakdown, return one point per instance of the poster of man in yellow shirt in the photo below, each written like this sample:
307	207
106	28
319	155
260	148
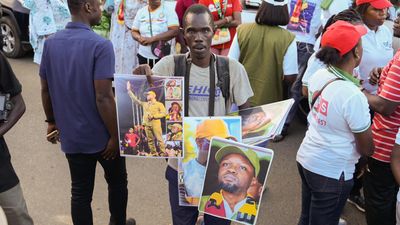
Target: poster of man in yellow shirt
139	103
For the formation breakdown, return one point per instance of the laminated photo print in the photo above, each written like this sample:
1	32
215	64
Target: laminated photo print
149	120
262	123
197	137
236	174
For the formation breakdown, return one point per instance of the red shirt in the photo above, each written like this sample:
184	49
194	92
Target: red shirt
181	7
132	138
384	129
232	6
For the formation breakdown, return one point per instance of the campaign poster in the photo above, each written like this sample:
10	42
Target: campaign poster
235	178
263	122
150	116
198	131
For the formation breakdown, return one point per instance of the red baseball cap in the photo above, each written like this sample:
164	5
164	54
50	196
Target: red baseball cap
342	36
377	4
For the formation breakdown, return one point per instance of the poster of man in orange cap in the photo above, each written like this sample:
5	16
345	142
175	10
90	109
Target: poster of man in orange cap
139	103
198	132
233	170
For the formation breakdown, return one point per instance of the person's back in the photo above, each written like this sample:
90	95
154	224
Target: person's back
69	67
262	51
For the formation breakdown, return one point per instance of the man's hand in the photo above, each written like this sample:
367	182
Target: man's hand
128	86
112	149
144	69
374	75
51	128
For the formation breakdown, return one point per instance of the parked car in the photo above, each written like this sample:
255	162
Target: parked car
14	27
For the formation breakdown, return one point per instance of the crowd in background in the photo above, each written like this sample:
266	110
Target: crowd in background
339	55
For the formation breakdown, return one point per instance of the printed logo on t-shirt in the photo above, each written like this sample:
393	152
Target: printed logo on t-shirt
202	93
302	14
320	111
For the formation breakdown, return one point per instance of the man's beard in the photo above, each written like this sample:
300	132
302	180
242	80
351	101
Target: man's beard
231	188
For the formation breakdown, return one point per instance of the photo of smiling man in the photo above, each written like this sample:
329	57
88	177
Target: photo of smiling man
232	172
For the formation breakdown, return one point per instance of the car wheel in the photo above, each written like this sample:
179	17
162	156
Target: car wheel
12	46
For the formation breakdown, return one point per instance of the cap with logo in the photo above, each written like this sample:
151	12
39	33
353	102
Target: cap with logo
377	4
342	36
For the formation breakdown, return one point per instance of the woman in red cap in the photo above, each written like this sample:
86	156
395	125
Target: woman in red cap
339	127
377	43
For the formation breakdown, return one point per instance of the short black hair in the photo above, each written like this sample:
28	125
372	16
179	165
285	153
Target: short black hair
348	15
75	5
197	9
271	15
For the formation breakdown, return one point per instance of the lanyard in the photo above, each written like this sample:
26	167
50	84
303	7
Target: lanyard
221	10
211	99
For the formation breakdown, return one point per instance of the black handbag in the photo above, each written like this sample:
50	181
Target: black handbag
159	48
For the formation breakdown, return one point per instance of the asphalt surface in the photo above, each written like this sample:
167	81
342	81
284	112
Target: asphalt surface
45	178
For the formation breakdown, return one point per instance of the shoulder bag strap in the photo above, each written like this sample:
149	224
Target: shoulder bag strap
318	93
211	100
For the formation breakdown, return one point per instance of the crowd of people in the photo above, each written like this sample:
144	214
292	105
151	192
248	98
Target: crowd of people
340	55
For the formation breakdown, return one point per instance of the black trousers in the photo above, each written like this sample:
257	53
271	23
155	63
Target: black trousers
380	191
182	215
144	60
83	169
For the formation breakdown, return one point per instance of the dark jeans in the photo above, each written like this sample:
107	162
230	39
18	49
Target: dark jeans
144	60
304	52
183	215
380	190
323	198
83	168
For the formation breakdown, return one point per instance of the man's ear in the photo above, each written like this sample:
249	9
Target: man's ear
88	7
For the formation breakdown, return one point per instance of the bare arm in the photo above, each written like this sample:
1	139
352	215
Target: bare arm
381	105
364	143
48	110
167	35
304	91
15	114
290	79
230	21
106	106
245	105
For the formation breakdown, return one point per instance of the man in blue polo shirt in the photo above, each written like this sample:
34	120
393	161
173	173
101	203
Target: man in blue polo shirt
76	75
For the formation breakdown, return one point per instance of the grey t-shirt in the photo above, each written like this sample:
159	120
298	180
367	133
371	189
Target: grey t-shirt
240	89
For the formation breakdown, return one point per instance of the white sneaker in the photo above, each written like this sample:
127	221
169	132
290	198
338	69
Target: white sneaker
342	222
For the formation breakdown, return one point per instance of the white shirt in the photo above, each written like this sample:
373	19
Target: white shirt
377	52
305	25
314	64
161	19
336	7
329	148
289	60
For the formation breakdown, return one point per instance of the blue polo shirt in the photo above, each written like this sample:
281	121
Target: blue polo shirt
72	59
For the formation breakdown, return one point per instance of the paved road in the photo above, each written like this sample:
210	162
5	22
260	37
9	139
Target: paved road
44	175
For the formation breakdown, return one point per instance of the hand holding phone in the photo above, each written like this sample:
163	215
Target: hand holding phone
53	136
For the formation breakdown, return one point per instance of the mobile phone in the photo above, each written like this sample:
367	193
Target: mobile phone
52	134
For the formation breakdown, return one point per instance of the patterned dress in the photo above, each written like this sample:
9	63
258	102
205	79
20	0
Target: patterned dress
125	47
45	18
